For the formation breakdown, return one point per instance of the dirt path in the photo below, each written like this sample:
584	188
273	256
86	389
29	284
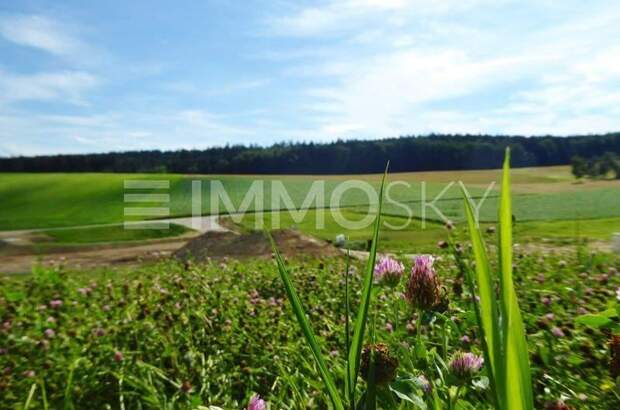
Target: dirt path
19	251
92	257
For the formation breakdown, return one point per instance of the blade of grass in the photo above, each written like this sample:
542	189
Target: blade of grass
362	313
33	388
306	329
516	373
486	309
347	334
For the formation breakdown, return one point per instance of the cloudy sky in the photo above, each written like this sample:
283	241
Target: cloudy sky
90	76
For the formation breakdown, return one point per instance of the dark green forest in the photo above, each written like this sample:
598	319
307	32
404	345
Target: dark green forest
411	153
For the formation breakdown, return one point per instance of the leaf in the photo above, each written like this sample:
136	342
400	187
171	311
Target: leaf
486	308
411	398
516	372
594	321
306	329
362	313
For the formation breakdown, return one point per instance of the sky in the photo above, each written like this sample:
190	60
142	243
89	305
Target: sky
97	76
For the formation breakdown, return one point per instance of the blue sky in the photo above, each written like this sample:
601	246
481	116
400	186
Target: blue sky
92	76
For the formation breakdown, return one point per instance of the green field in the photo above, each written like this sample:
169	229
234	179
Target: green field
55	200
114	233
545	199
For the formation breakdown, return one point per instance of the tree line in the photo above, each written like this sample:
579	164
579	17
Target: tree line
596	167
409	153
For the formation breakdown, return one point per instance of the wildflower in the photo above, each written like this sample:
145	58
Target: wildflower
186	387
389	327
423	286
29	373
106	308
582	311
49	333
85	291
442	244
385	363
546	301
118	356
388	271
465	365
557	332
333	353
256	403
424	384
557	405
614	350
56	303
99	332
465	339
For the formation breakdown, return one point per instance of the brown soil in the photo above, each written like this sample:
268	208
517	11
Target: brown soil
21	259
18	260
291	243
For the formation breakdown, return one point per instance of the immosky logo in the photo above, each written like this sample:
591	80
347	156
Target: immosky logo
272	197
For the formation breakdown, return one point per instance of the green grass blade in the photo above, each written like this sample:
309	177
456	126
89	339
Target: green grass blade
516	373
347	334
307	330
362	313
486	309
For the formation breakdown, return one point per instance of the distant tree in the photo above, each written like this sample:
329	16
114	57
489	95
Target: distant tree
579	167
407	153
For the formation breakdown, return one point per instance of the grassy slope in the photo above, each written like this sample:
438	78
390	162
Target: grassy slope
395	237
114	233
55	200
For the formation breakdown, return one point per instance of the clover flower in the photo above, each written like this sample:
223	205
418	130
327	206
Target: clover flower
424	384
423	286
465	365
56	303
118	356
49	333
557	332
388	271
256	403
385	363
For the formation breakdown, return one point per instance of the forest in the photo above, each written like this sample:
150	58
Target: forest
408	153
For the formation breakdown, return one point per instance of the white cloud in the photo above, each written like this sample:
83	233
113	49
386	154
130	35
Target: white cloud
337	16
66	86
40	32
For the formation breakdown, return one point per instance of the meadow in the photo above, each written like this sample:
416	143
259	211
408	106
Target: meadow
178	334
548	204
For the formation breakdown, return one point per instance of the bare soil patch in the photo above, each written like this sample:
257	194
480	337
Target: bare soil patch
291	243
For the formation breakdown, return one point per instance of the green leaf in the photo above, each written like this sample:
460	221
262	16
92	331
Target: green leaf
362	313
486	309
306	329
516	375
410	397
594	321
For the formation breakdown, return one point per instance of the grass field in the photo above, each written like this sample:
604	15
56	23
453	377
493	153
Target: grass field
115	233
56	200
